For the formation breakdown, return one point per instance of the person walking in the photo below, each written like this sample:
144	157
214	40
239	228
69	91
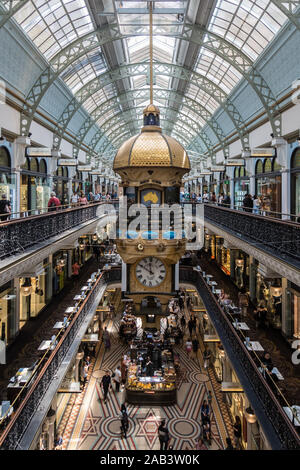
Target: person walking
188	346
191	326
163	435
123	372
124	420
106	339
106	385
206	357
200	444
85	369
195	344
5	208
229	444
256	204
205	413
209	398
117	378
183	323
248	203
75	270
237	431
53	202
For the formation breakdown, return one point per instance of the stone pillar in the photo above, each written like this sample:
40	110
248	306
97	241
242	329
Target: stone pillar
177	276
19	147
16	320
50	422
250	167
124	277
252	278
282	150
286	309
79	357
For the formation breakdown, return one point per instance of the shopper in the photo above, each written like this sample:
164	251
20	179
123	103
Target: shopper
256	204
200	444
58	442
117	378
188	346
5	208
183	323
205	411
247	203
209	398
229	444
123	371
124	420
195	344
106	385
237	431
106	339
84	375
163	435
82	199
227	201
243	301
206	357
74	199
191	326
53	202
75	270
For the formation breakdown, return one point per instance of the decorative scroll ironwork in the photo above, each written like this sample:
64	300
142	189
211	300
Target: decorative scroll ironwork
30	403
275	423
277	237
18	235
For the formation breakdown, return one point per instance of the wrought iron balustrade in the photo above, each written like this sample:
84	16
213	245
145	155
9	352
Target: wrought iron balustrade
31	400
276	425
279	238
17	235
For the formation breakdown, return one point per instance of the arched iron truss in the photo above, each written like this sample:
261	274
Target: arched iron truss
202	83
172	97
192	33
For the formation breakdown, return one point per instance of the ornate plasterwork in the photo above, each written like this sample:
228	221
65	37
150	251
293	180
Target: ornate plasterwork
275	264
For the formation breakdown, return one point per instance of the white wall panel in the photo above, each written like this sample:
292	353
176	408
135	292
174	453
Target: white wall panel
9	119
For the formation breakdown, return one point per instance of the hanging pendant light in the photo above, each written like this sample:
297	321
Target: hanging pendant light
250	416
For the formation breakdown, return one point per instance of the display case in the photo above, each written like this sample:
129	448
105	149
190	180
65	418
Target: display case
157	390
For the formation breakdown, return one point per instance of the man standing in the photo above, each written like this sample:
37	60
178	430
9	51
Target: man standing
53	202
106	383
117	378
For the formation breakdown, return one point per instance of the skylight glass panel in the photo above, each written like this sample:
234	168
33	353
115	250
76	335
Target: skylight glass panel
53	24
218	70
250	25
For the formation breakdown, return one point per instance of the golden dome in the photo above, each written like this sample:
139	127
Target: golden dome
151	148
151	108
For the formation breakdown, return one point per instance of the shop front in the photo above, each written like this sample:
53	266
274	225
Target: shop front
268	186
7	178
294	300
224	184
241	185
35	292
60	184
295	182
34	187
60	270
77	182
8	313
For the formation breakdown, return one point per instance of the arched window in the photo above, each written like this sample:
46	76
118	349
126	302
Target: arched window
237	172
295	162
242	171
34	165
65	172
4	157
43	166
259	167
267	165
59	171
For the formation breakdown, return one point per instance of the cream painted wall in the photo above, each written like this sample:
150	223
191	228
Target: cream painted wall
9	119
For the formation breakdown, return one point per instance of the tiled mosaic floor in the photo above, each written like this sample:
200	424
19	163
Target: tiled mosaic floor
86	423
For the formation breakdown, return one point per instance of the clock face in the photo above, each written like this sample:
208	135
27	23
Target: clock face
150	271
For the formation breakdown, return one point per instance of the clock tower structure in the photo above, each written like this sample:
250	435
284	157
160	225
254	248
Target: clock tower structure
151	166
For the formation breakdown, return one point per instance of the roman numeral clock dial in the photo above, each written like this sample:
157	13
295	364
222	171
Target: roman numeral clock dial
150	271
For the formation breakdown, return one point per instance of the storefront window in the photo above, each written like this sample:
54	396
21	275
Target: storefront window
35	187
241	185
7	179
60	270
295	182
8	314
268	187
60	184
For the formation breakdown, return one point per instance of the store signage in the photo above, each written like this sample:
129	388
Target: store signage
263	152
96	172
67	162
84	167
39	151
237	162
218	168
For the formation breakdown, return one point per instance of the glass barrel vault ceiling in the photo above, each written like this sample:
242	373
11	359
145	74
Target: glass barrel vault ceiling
54	24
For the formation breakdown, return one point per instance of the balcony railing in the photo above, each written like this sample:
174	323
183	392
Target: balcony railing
279	238
18	235
276	425
47	369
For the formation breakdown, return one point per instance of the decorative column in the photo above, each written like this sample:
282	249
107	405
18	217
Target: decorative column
19	147
124	277
79	357
282	151
286	322
177	276
250	167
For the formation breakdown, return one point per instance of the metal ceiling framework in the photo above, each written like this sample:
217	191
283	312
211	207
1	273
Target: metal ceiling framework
192	33
195	34
169	70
